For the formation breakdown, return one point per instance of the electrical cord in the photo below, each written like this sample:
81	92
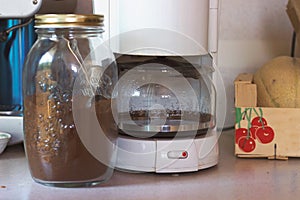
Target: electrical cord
4	34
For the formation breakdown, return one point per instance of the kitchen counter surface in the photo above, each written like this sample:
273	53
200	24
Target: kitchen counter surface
232	178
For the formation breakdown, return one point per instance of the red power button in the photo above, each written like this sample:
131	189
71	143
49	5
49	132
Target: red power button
184	154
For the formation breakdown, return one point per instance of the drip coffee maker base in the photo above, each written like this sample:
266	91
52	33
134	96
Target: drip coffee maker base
161	155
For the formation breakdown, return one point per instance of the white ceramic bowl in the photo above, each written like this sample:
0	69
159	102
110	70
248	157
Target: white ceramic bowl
4	138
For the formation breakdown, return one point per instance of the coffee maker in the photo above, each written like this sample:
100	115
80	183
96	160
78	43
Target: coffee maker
166	52
16	38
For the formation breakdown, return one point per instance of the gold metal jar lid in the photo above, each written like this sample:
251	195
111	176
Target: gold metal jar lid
68	20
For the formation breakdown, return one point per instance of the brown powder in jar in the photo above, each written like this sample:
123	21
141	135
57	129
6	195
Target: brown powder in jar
53	147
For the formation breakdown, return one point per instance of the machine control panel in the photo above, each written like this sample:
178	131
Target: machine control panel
177	154
19	9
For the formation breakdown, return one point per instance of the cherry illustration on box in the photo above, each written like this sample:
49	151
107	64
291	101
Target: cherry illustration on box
257	129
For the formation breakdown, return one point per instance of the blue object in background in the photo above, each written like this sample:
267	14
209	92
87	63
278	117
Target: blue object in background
12	55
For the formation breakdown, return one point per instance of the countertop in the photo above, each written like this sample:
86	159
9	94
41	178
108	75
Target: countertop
232	178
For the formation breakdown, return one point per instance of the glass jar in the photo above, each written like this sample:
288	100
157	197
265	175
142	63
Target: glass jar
68	81
166	96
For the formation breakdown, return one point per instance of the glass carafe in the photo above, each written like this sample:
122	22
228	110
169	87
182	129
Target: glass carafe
165	96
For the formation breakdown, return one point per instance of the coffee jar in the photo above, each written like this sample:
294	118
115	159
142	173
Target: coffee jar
68	81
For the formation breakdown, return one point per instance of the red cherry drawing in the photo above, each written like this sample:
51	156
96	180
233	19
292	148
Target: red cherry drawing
246	144
253	130
259	121
239	133
265	134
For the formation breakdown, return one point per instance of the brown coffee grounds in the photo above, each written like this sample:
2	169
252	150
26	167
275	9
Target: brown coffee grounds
54	150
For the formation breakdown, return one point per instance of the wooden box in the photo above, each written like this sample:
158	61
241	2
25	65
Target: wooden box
268	132
293	11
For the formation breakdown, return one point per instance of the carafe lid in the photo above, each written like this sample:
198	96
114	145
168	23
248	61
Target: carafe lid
68	20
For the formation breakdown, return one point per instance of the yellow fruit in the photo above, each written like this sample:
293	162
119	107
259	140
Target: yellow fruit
278	83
